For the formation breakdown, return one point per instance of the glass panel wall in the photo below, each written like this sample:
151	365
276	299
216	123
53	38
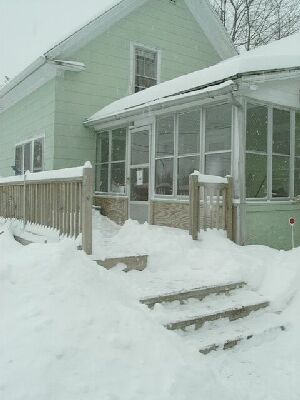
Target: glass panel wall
268	168
218	128
297	154
178	151
256	151
164	155
110	161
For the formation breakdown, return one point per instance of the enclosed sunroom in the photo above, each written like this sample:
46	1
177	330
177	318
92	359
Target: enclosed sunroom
240	117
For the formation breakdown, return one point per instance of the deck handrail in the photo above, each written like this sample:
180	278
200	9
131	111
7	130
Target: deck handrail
59	199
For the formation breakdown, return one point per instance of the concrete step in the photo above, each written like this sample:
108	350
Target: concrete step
231	313
138	262
220	335
196	293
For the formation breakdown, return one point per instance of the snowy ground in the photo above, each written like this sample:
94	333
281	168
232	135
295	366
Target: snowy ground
71	330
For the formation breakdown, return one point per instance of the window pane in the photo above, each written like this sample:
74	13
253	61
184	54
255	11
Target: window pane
139	184
297	176
102	178
257	127
145	69
38	155
118	177
164	176
280	180
140	148
118	144
165	136
103	147
297	135
256	176
27	157
19	160
218	128
218	164
189	133
281	131
186	166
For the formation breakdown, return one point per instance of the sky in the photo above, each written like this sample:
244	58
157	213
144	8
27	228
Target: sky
30	27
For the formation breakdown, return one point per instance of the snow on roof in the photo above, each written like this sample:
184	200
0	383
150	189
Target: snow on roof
282	54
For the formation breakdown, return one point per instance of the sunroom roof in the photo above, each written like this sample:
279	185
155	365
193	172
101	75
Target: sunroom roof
278	55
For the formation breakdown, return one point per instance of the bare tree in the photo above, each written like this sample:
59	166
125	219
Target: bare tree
251	23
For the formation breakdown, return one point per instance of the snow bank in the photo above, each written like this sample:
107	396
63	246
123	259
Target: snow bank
71	330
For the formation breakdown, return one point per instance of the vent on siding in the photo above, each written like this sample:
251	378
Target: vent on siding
172	1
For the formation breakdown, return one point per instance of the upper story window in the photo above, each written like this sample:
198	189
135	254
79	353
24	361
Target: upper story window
29	156
145	68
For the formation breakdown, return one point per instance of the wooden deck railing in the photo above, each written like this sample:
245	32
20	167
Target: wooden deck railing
210	204
59	199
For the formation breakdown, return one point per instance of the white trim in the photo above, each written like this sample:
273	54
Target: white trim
31	142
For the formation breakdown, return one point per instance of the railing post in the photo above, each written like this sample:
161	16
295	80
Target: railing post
228	208
86	208
194	206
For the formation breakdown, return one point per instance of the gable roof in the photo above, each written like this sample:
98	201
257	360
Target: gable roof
200	9
280	56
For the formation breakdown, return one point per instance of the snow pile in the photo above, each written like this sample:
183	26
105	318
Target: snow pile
71	330
281	54
176	262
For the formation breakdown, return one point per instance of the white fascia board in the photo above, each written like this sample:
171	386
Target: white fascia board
94	28
212	27
22	75
37	78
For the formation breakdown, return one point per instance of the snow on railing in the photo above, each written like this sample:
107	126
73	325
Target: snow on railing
60	199
210	203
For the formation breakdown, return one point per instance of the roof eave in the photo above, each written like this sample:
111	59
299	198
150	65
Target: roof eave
147	109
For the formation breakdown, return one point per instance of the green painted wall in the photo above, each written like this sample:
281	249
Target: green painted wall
268	224
31	117
168	27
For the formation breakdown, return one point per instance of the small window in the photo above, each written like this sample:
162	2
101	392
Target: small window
19	160
38	155
29	156
146	67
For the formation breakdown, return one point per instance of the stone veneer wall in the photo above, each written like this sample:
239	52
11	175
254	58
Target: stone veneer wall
172	214
115	208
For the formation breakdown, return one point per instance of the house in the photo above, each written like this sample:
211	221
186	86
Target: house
240	117
131	46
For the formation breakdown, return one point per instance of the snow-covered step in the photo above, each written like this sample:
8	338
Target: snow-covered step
220	335
239	303
196	293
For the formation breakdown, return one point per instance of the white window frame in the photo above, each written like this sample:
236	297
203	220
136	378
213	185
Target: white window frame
31	142
133	47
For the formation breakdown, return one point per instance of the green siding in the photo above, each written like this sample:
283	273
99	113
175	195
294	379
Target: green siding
167	27
268	224
31	117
